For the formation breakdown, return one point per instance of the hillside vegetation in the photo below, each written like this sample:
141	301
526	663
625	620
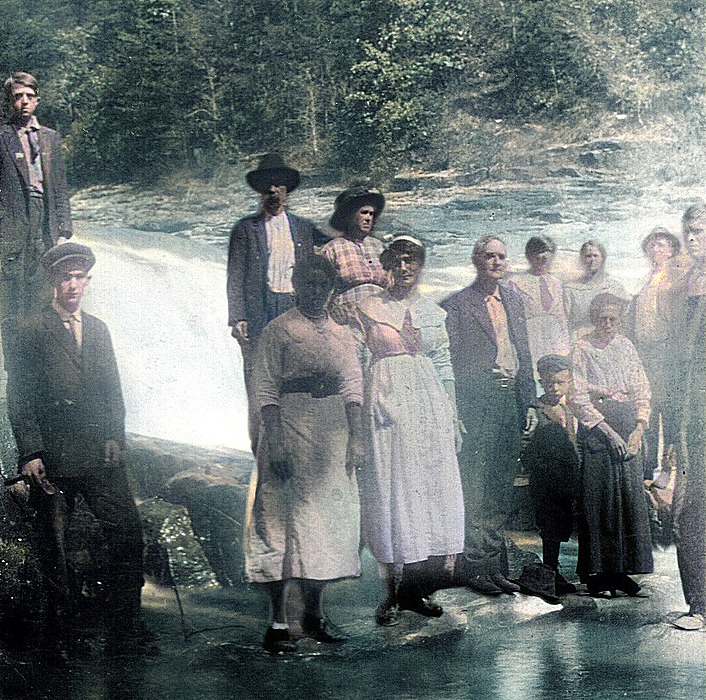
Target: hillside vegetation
143	88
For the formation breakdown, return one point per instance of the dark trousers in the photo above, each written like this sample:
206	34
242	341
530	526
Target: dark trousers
491	448
106	492
24	285
689	509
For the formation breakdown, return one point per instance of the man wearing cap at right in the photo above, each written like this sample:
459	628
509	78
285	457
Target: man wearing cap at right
261	255
67	414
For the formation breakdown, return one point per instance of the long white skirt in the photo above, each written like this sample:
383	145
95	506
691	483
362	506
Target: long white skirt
309	525
411	498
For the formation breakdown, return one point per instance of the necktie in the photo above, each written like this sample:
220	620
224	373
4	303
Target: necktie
544	294
33	140
75	326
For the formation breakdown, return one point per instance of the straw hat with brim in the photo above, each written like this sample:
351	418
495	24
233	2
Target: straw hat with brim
74	253
540	580
349	201
272	170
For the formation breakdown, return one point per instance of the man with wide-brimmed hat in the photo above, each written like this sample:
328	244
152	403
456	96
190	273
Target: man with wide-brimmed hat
261	256
355	254
68	417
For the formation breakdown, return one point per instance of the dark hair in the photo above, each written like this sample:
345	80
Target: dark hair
402	246
606	299
479	246
311	265
662	234
539	244
695	212
19	78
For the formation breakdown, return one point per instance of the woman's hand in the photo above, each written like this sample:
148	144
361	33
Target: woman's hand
635	441
280	463
279	459
617	446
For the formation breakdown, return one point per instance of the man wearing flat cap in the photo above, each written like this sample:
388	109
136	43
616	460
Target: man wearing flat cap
34	203
67	414
261	255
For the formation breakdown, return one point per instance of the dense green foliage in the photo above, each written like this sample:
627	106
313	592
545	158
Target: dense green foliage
141	87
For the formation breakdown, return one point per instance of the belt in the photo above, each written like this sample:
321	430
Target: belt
319	386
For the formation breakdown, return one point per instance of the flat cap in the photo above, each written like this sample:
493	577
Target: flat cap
78	254
552	364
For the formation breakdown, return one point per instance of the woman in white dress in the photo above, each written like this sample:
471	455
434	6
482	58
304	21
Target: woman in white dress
412	503
543	298
303	517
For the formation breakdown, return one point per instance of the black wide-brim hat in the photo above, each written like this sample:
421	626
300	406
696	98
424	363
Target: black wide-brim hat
349	201
540	580
272	170
75	253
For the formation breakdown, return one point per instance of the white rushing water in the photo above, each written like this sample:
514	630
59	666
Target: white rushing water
163	296
164	301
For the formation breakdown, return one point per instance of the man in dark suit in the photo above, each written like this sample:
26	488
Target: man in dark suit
34	203
261	256
68	417
494	384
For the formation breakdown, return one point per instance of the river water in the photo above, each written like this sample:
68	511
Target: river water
163	294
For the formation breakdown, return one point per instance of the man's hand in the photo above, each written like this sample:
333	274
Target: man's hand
35	470
112	452
459	432
531	420
240	331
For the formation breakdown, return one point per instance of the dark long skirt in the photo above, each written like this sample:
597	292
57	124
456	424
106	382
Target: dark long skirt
613	523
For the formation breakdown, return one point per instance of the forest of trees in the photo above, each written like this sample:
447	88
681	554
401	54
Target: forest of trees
143	87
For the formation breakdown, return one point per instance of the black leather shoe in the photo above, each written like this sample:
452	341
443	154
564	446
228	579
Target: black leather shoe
564	587
503	584
422	606
624	583
484	584
322	630
278	641
387	614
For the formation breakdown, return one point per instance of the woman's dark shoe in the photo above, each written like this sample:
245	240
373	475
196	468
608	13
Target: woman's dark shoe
422	606
563	587
387	614
504	584
624	583
601	586
322	630
278	641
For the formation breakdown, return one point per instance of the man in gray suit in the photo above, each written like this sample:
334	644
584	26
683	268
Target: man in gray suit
34	203
494	384
261	256
67	414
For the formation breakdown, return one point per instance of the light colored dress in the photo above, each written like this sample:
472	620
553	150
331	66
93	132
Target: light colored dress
412	503
547	324
307	526
578	295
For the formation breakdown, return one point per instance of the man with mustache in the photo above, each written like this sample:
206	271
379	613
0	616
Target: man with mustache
494	385
261	256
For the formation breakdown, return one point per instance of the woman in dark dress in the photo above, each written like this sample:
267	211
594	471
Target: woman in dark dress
611	400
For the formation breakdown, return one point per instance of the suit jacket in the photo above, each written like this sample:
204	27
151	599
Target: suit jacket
248	258
473	345
64	405
14	191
